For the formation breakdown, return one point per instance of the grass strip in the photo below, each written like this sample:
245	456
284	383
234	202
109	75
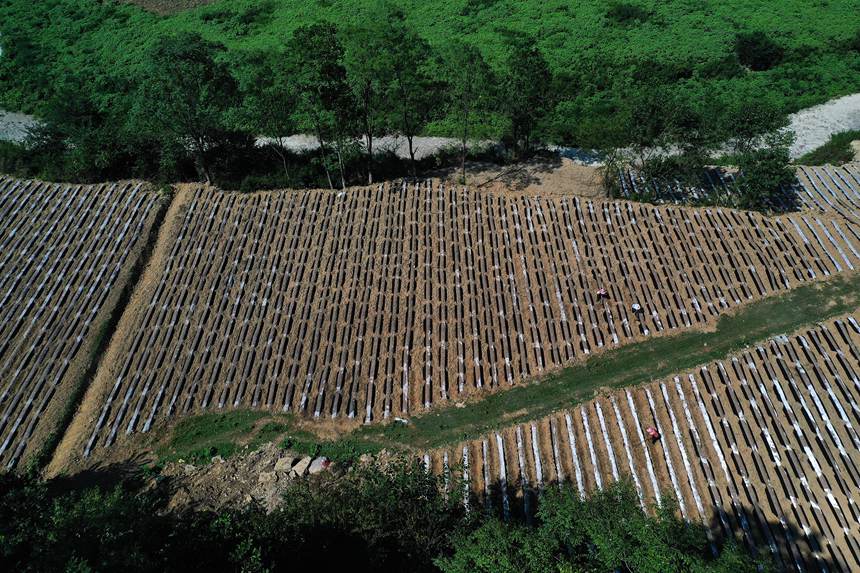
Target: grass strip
627	366
205	435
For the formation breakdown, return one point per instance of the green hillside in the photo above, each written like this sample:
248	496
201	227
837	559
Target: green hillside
601	51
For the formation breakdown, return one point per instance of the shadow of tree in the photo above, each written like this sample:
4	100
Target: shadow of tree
717	186
787	544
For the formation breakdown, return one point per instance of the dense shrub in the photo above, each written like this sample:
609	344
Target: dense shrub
836	151
757	51
397	518
607	532
627	14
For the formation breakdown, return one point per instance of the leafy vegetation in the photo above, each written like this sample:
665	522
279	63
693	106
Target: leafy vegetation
606	532
836	151
393	518
196	439
527	73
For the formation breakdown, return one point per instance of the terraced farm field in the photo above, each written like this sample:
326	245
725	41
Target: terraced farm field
762	445
66	252
819	189
384	301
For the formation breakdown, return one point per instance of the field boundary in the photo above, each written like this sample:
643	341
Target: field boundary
802	306
89	357
87	406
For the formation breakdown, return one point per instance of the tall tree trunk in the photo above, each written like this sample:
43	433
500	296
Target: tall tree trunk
369	158
200	161
409	138
340	164
324	162
463	151
282	153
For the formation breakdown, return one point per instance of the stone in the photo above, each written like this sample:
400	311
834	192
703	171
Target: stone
217	460
318	465
267	477
301	468
284	464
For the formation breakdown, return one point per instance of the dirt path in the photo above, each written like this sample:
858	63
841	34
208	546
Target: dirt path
814	126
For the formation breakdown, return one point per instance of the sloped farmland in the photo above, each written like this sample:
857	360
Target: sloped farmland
385	301
66	254
827	189
762	445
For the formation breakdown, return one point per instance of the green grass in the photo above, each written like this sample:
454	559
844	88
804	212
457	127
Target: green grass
627	366
601	57
197	438
837	151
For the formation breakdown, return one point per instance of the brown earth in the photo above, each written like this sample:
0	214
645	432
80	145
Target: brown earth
69	252
382	301
258	477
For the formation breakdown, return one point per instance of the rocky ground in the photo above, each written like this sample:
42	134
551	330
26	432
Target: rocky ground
260	476
814	126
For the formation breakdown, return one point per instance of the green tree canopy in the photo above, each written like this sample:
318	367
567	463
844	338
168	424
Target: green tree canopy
185	97
525	95
324	104
469	88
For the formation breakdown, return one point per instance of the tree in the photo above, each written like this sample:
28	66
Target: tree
526	97
468	81
324	102
607	532
415	94
765	177
758	52
268	101
368	58
185	95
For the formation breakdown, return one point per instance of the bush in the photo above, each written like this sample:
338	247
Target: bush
854	42
606	532
758	52
627	14
766	176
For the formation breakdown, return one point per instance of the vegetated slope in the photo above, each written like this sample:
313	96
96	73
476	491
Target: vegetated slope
66	252
384	301
605	52
762	445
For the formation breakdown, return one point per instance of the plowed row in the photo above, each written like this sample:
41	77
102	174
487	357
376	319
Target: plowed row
383	301
763	445
64	252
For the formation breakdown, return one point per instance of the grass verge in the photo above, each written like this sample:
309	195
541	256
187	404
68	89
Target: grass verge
627	366
836	151
199	438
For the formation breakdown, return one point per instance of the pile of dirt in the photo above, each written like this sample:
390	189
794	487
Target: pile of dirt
164	7
258	477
